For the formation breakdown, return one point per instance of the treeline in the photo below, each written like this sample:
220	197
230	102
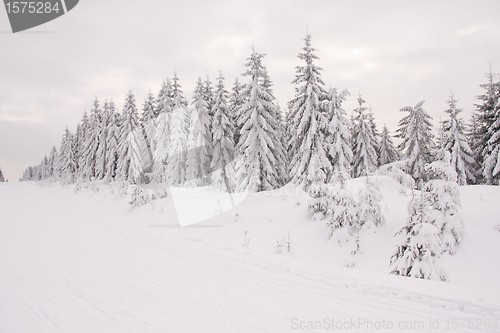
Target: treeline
242	140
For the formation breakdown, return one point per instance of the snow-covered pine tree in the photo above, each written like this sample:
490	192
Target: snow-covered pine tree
112	142
236	99
364	142
129	166
415	130
199	140
319	194
474	140
444	197
339	135
491	170
208	95
387	151
418	255
91	142
223	173
261	161
455	141
66	163
2	179
179	101
369	210
162	140
309	121
177	149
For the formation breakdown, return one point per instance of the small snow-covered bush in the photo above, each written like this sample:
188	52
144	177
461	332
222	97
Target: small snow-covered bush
140	197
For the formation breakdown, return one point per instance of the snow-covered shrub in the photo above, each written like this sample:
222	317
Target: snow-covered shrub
284	245
319	196
159	193
140	197
419	254
396	170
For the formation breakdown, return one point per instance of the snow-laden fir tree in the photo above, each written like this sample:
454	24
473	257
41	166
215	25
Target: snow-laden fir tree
319	195
309	123
102	126
444	197
208	95
369	209
177	149
66	166
2	179
364	142
339	135
373	126
455	142
415	130
112	142
419	254
162	140
179	101
261	161
223	173
236	100
342	209
129	166
199	140
91	142
387	151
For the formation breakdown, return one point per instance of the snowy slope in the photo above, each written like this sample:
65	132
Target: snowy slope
83	262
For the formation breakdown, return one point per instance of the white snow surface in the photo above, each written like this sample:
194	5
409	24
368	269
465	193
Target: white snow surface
85	262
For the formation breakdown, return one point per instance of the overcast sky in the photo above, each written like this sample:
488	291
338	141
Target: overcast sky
395	53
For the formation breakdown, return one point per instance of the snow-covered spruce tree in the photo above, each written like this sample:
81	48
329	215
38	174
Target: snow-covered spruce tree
66	166
369	210
2	180
199	140
112	142
342	209
164	100
455	142
319	195
100	160
339	135
179	101
223	173
162	140
418	255
387	151
91	142
444	197
373	126
309	121
236	99
129	166
261	161
79	143
208	95
177	149
364	143
485	113
148	127
415	130
475	143
52	163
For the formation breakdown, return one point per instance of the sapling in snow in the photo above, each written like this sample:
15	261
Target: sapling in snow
418	255
444	198
342	209
319	196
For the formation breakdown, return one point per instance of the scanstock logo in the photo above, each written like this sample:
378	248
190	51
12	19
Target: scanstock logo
25	15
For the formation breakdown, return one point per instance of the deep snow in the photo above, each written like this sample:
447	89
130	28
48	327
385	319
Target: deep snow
84	262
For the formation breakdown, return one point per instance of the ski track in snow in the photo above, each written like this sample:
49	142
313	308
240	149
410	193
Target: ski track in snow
67	268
